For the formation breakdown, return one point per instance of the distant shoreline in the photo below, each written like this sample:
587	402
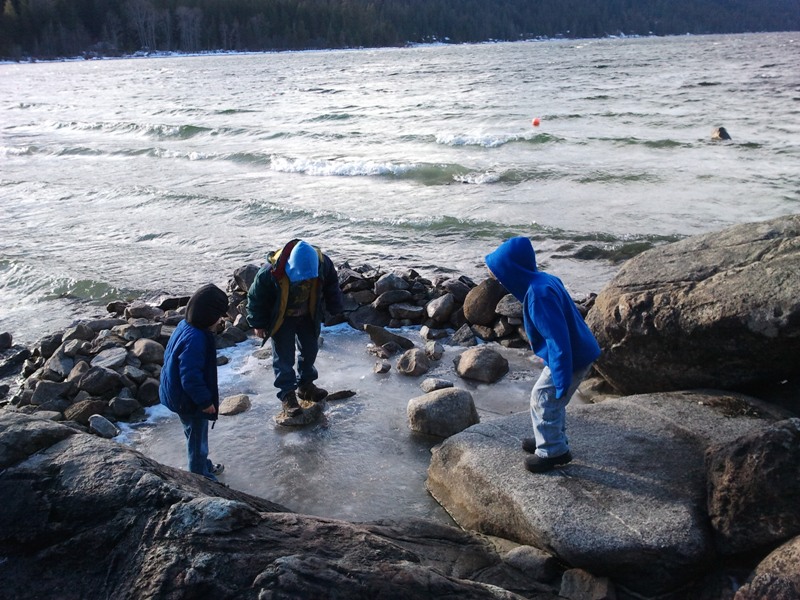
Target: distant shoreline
178	54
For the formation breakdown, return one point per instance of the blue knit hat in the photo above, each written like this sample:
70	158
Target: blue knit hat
303	263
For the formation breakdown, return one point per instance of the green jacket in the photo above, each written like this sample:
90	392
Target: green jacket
268	296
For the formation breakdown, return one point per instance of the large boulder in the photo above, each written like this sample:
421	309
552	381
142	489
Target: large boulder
390	282
85	517
718	310
631	505
754	490
367	315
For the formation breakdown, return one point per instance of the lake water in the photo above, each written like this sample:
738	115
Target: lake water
121	178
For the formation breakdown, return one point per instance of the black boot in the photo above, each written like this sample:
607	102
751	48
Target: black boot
311	393
538	464
290	405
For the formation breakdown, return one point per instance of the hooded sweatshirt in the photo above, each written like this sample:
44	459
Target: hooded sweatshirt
556	330
206	306
303	263
189	374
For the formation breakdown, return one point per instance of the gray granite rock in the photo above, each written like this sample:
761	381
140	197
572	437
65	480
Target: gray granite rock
718	311
443	412
636	487
481	363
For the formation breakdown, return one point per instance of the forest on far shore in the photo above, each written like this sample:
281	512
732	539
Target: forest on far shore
47	29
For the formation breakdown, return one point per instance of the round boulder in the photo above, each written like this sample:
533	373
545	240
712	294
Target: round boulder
480	303
103	427
443	412
481	364
431	384
148	351
148	392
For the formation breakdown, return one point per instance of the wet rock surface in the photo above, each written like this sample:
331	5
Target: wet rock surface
638	513
85	517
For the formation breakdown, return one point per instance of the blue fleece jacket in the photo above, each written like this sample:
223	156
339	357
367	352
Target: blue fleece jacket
557	331
189	375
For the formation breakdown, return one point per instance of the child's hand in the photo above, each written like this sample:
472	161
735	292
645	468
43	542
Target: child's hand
210	410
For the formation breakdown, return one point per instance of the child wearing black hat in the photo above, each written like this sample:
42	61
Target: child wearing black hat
189	375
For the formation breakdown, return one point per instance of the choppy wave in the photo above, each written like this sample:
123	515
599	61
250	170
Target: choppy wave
665	144
611	178
7	151
343	116
425	173
578	245
491	140
36	286
159	131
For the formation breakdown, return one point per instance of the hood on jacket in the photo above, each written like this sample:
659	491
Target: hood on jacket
206	306
303	263
514	265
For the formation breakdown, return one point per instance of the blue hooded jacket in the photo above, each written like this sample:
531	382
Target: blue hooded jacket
557	331
189	375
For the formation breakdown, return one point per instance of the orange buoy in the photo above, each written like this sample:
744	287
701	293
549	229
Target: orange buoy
536	122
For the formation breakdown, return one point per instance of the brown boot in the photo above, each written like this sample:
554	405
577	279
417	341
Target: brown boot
311	393
290	405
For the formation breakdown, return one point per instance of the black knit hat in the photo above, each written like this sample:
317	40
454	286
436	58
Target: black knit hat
206	306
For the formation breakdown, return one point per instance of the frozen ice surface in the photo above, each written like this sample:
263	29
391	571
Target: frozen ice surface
362	462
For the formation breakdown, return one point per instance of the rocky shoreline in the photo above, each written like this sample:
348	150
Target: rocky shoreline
677	490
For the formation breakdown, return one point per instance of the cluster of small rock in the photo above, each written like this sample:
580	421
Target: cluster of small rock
401	298
107	367
100	371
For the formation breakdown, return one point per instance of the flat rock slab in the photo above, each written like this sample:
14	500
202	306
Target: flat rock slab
631	505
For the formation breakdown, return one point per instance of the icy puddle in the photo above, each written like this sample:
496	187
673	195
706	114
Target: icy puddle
362	462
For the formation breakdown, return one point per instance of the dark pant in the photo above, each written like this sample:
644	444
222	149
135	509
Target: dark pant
195	428
303	331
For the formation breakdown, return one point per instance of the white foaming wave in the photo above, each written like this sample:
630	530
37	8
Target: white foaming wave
16	151
164	153
486	140
478	178
359	168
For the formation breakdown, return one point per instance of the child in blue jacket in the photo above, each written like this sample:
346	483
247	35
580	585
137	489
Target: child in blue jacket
189	375
558	335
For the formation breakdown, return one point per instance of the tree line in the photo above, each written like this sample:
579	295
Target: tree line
44	29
